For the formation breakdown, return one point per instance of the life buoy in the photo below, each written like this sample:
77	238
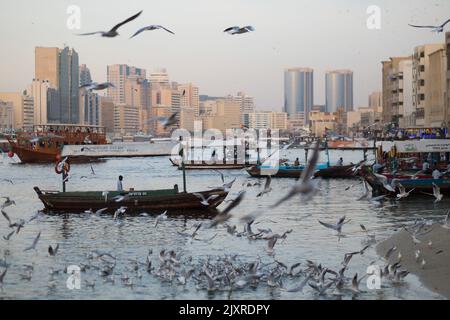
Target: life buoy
66	167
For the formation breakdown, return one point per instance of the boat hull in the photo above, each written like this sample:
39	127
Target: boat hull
136	201
336	172
281	172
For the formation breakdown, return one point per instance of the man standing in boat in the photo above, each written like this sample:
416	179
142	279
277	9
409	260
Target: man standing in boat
426	167
340	162
119	184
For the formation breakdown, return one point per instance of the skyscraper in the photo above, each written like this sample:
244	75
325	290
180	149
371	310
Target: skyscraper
68	86
85	75
299	93
60	69
190	97
339	90
117	75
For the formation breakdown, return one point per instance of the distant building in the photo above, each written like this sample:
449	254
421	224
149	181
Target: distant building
107	114
190	97
436	114
298	93
126	119
247	103
322	123
85	75
117	75
266	120
60	67
6	116
392	79
376	100
45	99
421	85
339	90
23	109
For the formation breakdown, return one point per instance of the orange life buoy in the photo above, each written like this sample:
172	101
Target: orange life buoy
65	169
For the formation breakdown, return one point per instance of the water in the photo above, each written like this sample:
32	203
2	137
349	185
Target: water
133	236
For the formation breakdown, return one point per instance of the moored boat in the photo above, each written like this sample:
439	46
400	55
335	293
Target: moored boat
275	172
135	201
44	143
336	172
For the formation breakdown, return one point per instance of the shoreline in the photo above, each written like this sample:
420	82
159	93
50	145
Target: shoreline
435	273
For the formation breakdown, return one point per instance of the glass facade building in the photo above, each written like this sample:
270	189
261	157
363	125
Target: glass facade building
299	92
339	90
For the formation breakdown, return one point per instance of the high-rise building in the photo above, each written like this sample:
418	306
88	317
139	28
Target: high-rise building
376	100
421	68
6	116
246	102
46	99
392	83
47	65
126	119
339	90
436	115
190	97
107	114
68	87
159	77
89	108
266	120
447	49
23	109
60	67
299	93
85	75
117	75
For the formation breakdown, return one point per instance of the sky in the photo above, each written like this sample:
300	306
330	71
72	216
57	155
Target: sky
321	34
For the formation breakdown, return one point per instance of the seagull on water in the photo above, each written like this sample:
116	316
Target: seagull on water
437	29
113	32
150	28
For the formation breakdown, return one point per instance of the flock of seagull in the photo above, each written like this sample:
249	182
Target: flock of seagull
227	273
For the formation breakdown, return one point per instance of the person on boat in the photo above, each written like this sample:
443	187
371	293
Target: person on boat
340	162
377	168
436	174
297	163
119	184
426	167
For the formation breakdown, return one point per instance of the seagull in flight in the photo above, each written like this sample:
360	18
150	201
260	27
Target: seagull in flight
239	30
437	29
337	226
205	201
113	32
403	194
35	241
267	187
150	28
166	122
94	86
436	193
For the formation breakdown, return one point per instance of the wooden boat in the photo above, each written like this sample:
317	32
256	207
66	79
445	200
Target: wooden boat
336	172
191	165
275	172
44	143
136	201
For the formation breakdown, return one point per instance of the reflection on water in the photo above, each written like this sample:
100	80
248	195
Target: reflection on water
130	238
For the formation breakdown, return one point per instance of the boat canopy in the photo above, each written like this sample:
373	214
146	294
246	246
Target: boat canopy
417	146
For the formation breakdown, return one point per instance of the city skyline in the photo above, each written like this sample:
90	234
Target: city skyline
196	54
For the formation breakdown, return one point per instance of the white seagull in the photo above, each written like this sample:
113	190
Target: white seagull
150	28
267	187
205	201
437	29
436	193
166	122
113	32
338	226
403	194
35	241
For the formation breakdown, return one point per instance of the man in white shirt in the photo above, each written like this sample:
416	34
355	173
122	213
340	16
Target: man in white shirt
436	174
425	166
119	184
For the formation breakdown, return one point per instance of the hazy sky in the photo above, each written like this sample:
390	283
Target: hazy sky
322	34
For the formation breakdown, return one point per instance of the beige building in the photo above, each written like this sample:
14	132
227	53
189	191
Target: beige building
321	122
447	93
45	97
187	118
392	92
6	116
190	97
421	70
117	75
266	120
23	108
376	101
126	119
107	114
353	119
47	65
436	113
